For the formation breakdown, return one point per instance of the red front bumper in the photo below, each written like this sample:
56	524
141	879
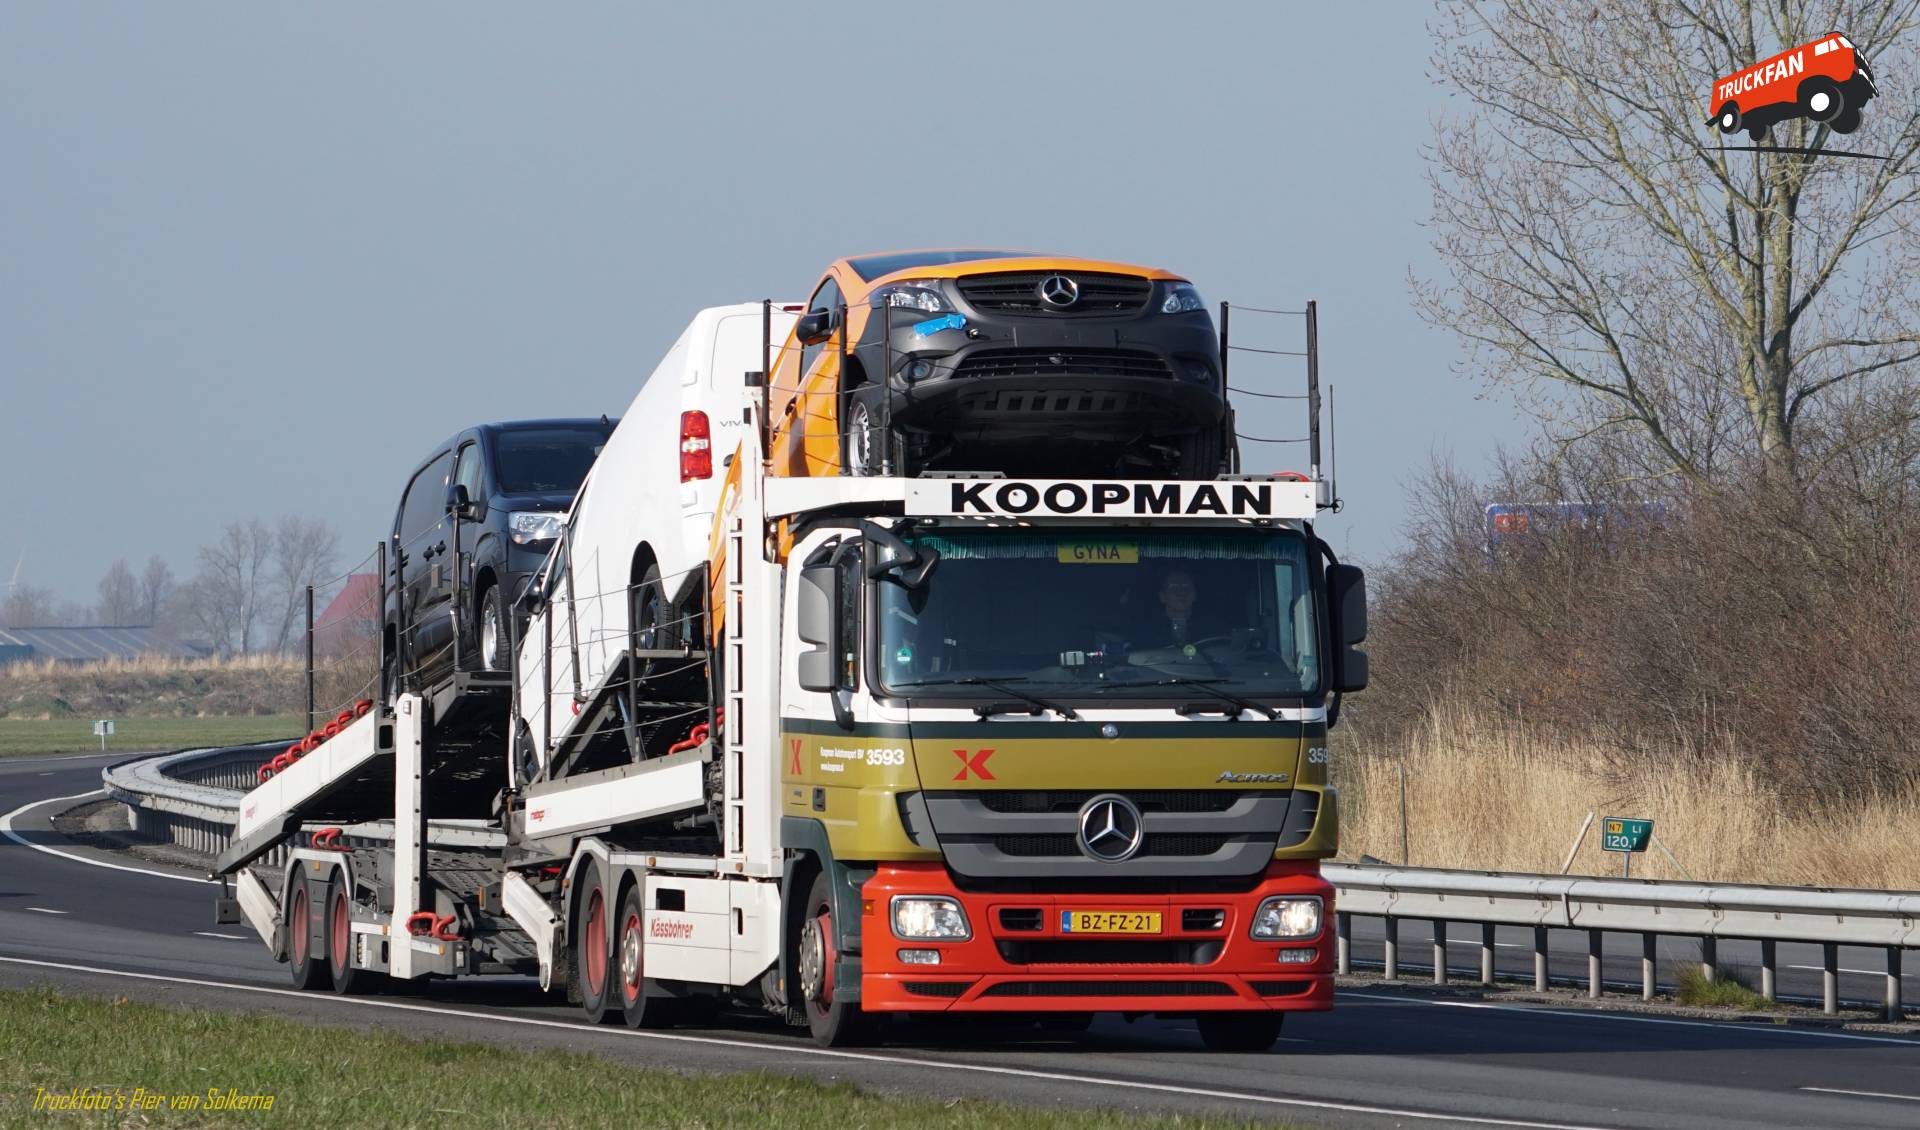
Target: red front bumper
1020	960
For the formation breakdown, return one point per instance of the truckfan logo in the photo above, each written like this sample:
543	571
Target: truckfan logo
1110	829
1059	290
1826	81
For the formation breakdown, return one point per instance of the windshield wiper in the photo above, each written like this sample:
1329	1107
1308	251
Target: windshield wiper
1066	712
1206	686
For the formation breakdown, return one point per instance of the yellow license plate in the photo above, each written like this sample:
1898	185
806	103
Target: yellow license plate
1109	922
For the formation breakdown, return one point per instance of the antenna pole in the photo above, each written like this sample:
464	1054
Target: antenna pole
1313	390
1333	450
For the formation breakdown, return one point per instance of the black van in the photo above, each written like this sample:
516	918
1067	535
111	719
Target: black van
499	492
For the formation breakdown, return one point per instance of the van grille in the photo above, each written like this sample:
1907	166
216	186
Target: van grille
1055	364
1018	292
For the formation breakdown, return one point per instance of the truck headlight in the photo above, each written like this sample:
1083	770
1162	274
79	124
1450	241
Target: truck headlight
924	917
1286	916
914	294
1181	298
528	526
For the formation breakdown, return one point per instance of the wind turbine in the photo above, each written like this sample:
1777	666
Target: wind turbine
15	580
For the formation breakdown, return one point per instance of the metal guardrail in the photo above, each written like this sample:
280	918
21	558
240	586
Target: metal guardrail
1830	918
193	799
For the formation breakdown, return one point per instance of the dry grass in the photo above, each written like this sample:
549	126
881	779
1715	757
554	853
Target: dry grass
154	687
1481	796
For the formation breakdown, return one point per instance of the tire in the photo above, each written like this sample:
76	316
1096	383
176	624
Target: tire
630	971
1202	454
309	970
1727	121
1240	1031
1820	99
834	1024
346	979
652	619
590	954
863	438
494	636
1847	121
1757	134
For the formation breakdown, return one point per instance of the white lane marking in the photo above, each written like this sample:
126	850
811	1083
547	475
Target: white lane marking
43	910
580	1027
1862	972
211	934
69	757
1863	1094
1382	999
6	829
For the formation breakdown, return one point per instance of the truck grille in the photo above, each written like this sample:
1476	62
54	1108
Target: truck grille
935	988
1058	364
1280	988
1109	951
1071	800
1018	292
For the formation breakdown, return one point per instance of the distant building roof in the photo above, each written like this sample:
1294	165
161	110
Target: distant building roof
81	645
358	599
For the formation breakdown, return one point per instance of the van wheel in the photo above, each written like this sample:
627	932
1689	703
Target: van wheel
590	955
1201	453
834	1024
863	439
1239	1031
496	635
1728	119
309	971
1820	99
1847	122
1756	134
654	627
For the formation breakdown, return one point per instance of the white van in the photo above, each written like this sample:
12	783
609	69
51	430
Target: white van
636	537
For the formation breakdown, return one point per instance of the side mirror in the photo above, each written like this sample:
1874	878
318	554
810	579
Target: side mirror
816	623
458	504
816	326
1347	606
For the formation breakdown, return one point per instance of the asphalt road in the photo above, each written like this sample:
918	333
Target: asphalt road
1378	1059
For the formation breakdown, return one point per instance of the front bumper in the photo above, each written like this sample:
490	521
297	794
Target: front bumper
1180	970
1014	377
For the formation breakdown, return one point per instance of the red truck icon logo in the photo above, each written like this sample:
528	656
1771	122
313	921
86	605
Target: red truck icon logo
1825	81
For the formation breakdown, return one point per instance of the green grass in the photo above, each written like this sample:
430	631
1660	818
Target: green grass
1731	989
24	736
326	1077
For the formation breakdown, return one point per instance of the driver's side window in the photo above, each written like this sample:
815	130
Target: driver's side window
827	298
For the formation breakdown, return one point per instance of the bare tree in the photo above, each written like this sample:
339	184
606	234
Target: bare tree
231	589
303	550
1607	257
29	606
156	587
119	596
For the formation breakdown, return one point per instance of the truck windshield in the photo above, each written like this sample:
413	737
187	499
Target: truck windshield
1124	613
545	460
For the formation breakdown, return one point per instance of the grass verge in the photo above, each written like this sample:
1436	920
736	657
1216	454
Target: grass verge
1728	990
326	1077
24	736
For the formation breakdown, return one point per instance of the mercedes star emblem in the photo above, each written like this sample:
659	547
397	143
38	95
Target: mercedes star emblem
1110	828
1059	290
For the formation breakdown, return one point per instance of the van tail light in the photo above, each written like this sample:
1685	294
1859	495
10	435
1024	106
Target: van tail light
696	447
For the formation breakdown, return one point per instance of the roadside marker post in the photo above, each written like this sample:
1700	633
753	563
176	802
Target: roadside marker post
103	729
1626	836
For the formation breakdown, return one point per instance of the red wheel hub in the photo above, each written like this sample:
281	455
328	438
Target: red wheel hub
631	965
595	965
339	929
297	923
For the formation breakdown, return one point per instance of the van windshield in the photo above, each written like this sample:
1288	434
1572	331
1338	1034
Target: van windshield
544	460
1105	613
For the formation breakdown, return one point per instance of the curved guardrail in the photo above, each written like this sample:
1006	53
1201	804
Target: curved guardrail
193	798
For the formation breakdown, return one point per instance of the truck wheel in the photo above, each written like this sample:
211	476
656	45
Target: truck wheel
590	955
309	972
346	979
1728	120
1821	100
1240	1031
834	1024
1847	122
630	969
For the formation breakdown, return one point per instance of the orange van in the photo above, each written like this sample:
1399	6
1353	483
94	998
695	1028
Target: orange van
1826	81
999	360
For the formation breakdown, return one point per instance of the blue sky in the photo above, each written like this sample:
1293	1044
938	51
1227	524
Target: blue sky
258	258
